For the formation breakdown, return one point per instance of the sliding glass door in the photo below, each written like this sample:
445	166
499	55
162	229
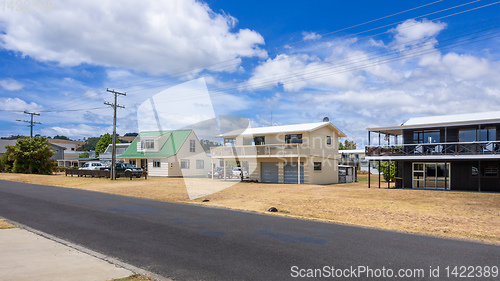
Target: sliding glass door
431	175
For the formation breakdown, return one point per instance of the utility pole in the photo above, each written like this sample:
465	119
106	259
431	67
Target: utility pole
113	148
32	123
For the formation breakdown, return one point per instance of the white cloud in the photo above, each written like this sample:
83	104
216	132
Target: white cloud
310	35
17	104
412	33
11	85
157	37
76	131
91	94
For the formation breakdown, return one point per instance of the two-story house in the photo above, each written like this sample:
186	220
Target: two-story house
452	152
284	154
176	153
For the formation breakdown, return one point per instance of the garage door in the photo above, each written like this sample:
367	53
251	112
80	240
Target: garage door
291	172
269	171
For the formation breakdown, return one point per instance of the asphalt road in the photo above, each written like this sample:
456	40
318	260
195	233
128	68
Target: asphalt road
190	242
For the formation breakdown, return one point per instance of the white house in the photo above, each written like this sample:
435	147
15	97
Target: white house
176	153
272	154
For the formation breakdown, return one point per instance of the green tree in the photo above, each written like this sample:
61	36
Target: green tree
388	170
29	156
207	144
58	137
90	144
347	145
84	154
103	143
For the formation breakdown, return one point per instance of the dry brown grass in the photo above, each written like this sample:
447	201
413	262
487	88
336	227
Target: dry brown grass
6	225
466	215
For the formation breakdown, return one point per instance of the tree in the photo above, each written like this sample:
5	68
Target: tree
206	144
29	156
388	171
347	145
58	137
103	143
131	135
90	144
84	154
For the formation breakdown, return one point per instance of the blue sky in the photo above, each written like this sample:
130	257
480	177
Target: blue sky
361	63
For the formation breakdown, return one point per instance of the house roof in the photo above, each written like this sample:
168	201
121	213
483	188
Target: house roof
76	143
297	128
171	147
440	121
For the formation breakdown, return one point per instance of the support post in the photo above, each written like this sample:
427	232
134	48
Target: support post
298	170
369	173
479	177
389	171
224	169
212	166
379	172
113	151
445	175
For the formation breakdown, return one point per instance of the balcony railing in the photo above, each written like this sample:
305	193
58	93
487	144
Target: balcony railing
271	150
450	148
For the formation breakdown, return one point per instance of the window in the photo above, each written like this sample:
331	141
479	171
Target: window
488	134
295	138
471	135
317	166
184	163
259	140
147	144
230	142
328	140
490	171
156	163
426	137
467	135
192	146
200	164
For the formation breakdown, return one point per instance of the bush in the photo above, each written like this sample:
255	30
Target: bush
29	156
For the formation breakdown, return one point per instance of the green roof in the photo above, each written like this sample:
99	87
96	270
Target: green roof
171	147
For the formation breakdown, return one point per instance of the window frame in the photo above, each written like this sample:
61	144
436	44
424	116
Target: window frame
192	146
185	164
198	166
317	166
156	163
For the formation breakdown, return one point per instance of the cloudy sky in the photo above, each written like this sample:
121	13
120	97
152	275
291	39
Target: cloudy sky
361	63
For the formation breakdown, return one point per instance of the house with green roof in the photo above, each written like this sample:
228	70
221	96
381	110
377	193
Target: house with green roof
175	153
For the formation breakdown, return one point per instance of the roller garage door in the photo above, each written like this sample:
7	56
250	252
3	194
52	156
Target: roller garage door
269	172
291	172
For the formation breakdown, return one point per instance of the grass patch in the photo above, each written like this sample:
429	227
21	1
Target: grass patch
5	225
465	215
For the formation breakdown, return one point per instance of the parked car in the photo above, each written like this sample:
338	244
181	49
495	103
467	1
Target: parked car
219	173
91	166
123	167
237	172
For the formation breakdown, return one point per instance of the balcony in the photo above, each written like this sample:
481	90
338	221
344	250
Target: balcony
434	149
271	150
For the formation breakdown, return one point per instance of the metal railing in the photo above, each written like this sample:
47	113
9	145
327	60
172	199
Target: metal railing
450	148
274	150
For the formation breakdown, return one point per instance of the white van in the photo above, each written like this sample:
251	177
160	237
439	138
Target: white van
91	166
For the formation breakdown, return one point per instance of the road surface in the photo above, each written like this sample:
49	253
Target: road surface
192	242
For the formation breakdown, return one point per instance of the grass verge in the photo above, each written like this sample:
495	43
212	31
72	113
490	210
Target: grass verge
464	215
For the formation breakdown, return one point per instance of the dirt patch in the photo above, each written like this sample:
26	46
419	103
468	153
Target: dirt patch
465	215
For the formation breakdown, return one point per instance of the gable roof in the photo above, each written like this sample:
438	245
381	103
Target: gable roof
296	128
442	120
455	118
175	140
